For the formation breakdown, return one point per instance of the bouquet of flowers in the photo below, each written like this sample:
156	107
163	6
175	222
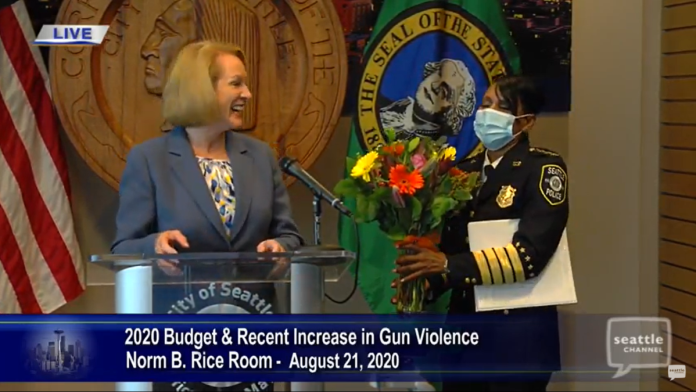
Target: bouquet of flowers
409	187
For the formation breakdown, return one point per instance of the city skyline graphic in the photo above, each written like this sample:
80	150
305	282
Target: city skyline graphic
58	353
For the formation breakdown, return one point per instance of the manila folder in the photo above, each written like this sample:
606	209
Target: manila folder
554	286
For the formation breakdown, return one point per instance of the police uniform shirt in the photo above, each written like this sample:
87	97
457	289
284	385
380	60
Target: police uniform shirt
486	163
529	184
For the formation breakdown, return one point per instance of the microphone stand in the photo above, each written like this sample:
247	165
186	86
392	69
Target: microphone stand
316	204
307	289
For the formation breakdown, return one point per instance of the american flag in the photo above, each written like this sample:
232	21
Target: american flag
41	267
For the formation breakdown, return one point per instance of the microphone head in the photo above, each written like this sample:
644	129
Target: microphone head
286	162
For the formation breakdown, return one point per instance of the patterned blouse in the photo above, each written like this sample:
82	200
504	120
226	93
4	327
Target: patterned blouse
218	176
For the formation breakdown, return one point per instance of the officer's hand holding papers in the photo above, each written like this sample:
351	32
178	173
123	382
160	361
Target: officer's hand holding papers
554	286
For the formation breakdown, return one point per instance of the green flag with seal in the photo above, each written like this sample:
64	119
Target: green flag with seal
426	68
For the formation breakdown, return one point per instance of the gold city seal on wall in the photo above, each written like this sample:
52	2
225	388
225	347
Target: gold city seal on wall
108	96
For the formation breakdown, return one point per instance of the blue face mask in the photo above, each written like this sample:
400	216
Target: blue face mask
494	128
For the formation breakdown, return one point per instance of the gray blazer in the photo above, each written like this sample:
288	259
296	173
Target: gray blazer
162	188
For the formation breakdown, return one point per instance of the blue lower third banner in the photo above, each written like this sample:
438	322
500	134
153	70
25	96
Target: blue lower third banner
224	350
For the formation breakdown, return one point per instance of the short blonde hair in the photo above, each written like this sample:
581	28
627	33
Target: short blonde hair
189	98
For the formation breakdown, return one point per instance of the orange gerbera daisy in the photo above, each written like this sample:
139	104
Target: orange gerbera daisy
407	182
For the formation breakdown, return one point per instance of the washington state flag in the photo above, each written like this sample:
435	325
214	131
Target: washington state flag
426	68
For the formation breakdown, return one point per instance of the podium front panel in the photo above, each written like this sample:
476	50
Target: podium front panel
229	283
214	288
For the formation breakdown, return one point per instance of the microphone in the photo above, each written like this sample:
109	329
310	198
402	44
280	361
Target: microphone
293	168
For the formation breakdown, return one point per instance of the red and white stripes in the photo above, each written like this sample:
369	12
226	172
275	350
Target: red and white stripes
41	266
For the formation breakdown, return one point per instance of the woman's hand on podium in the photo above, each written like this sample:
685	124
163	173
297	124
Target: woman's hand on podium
280	268
165	240
272	246
165	245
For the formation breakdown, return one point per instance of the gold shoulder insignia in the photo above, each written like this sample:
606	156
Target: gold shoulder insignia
476	159
543	151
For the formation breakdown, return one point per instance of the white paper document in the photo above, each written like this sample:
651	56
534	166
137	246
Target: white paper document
554	286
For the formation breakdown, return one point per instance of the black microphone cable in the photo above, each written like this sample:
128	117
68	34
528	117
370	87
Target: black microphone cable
357	266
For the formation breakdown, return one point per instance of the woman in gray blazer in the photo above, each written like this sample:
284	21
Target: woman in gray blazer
202	187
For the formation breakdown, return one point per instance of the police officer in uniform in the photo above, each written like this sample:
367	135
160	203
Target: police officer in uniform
517	182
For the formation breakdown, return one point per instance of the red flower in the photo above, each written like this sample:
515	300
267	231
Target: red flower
396	149
455	172
429	241
406	182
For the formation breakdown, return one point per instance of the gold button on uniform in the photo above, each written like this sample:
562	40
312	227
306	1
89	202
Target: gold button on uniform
506	312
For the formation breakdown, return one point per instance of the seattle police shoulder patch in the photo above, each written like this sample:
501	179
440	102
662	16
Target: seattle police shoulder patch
553	184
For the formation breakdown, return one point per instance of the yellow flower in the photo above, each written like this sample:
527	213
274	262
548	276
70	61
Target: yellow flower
449	153
364	165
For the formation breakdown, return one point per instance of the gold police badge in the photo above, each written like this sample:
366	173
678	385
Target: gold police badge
505	196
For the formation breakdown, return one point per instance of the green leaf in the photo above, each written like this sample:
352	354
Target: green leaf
426	217
366	209
372	210
413	144
441	141
381	193
346	187
442	205
416	209
361	207
404	217
472	179
390	134
396	233
435	223
446	185
462	195
425	194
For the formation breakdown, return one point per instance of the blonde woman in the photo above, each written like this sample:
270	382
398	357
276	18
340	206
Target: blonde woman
202	187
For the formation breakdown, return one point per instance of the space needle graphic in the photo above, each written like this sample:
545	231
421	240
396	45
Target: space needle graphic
60	345
58	352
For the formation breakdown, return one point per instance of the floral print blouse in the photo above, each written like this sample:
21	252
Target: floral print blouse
218	176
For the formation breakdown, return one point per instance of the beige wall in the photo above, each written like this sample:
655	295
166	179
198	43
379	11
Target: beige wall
613	162
610	141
